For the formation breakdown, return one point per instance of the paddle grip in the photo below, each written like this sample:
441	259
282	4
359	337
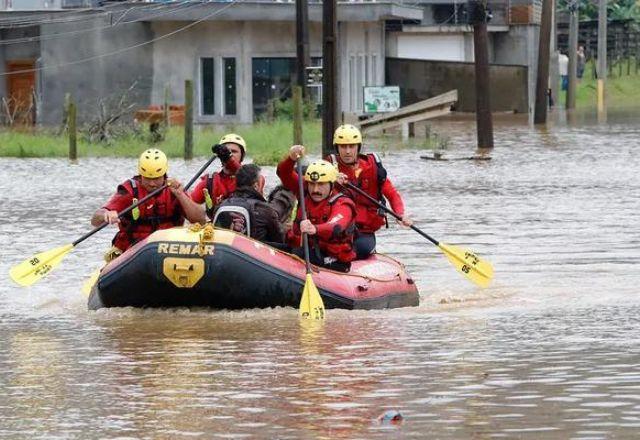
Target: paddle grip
303	208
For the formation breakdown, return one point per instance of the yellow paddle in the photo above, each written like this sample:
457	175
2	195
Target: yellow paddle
37	266
466	262
311	305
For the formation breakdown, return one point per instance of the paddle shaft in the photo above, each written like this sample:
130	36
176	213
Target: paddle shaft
153	193
303	208
390	211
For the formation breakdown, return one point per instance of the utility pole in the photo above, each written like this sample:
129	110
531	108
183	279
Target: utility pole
484	123
602	56
542	79
329	75
302	42
573	55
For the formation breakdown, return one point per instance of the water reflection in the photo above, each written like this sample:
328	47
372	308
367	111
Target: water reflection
549	351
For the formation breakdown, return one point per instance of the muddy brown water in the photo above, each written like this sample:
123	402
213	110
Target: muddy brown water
550	350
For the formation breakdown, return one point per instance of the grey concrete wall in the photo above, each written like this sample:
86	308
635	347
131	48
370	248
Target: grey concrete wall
99	64
519	46
420	79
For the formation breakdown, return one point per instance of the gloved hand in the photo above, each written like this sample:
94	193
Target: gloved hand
222	152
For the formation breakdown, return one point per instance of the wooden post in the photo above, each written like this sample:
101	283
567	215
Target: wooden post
65	113
188	119
72	121
329	75
483	104
542	79
302	43
573	55
165	108
297	115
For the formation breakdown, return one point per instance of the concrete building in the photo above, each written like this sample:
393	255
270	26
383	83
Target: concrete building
240	54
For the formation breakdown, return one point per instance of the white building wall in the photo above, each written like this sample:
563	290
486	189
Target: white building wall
429	46
361	52
362	57
178	58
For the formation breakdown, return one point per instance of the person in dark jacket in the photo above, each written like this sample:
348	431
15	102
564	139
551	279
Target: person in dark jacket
262	222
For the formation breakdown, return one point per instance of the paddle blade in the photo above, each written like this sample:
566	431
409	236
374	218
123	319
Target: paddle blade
90	282
37	266
469	264
311	305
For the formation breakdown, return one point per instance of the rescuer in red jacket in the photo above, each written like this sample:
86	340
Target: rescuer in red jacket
367	173
215	187
166	210
331	215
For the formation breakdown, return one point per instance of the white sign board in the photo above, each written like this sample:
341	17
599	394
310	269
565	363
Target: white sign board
381	99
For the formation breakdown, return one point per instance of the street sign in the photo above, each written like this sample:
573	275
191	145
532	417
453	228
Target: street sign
314	76
381	99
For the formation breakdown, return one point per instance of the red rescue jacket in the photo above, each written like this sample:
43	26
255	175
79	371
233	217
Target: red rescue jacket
370	176
160	212
219	185
333	218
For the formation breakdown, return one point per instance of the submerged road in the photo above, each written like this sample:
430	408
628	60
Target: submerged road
550	350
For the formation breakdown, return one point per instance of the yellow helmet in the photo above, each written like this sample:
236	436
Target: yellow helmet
233	138
321	171
152	164
347	134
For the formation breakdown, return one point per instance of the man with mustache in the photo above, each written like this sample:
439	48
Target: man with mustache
331	214
367	173
215	187
166	210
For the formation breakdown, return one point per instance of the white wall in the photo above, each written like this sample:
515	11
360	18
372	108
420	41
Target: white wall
362	58
428	46
361	61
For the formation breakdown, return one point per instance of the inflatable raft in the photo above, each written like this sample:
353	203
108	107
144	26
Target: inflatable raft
219	269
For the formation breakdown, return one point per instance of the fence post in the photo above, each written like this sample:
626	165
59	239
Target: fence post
165	112
188	119
71	120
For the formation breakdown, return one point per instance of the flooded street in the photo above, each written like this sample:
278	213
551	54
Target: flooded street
550	350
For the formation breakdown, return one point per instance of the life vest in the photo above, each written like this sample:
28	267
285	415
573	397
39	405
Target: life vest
340	245
216	182
369	217
160	212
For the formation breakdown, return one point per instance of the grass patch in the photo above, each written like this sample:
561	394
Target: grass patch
267	142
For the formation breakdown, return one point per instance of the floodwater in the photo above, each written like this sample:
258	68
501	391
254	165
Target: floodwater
550	350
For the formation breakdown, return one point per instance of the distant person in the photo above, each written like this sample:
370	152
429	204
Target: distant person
563	65
166	210
214	187
581	61
262	222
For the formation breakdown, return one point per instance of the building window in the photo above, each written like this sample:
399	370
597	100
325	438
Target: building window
229	86
207	86
272	80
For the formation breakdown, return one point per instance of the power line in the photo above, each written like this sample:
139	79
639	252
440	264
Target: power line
180	7
69	16
125	49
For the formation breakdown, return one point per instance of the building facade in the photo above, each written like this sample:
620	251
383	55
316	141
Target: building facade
239	54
